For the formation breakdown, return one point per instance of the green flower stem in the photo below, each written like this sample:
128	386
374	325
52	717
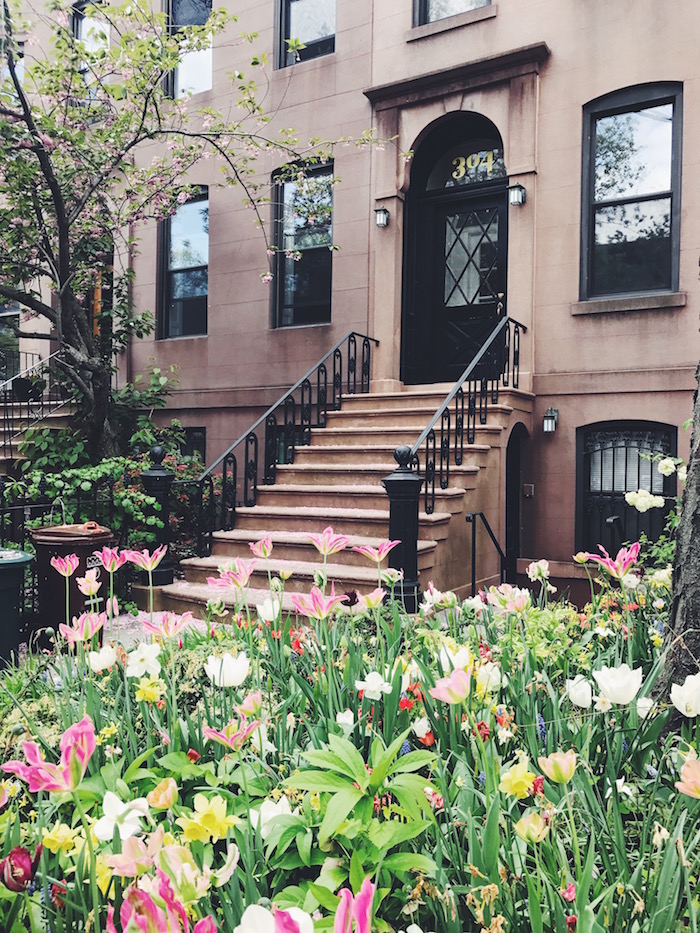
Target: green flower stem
93	864
488	787
574	835
68	601
150	595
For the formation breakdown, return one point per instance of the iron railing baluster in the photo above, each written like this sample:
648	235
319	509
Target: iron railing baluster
250	475
271	450
306	412
459	427
321	396
430	472
445	425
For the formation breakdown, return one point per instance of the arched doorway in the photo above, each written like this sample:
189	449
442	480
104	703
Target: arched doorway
455	247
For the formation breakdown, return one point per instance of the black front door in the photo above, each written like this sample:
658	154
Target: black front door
458	282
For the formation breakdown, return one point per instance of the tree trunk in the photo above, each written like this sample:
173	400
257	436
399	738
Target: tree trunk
684	652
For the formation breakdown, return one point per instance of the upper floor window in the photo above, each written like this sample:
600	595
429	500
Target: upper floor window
194	73
303	237
428	11
631	192
185	269
311	23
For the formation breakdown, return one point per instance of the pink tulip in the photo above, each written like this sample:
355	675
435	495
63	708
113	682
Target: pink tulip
262	548
66	566
168	626
206	925
329	543
251	704
4	797
89	584
236	575
144	559
17	869
372	600
111	559
376	554
285	922
135	857
357	909
689	783
452	689
626	558
84	627
316	605
174	909
77	747
139	912
234	735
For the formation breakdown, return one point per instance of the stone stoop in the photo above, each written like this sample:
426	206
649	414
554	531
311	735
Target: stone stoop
16	426
336	480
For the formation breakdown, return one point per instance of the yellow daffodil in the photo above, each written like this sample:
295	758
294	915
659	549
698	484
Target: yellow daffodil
209	820
103	874
518	779
150	689
60	838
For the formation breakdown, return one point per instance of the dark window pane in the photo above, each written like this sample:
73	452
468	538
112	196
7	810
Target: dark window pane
439	9
632	247
633	153
190	12
189	235
311	20
188	317
191	283
306	288
308	212
468	163
195	443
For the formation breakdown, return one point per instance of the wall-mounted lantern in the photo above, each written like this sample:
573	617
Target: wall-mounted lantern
381	216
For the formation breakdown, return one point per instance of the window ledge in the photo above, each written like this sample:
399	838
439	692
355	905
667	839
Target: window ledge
452	22
630	303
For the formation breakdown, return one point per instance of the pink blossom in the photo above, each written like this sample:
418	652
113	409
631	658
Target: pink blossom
17	869
357	909
316	605
67	565
236	575
234	735
452	689
144	559
168	626
626	558
329	543
262	548
376	553
89	584
569	893
78	744
84	627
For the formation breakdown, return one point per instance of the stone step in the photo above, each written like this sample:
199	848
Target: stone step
290	545
183	596
367	523
354	455
346	497
370	436
361	577
359	474
415	418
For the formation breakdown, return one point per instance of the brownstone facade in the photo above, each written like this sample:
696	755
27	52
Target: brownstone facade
593	109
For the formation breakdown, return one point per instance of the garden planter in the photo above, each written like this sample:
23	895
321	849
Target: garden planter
60	541
12	566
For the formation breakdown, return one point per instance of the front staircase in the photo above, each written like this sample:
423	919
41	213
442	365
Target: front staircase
336	480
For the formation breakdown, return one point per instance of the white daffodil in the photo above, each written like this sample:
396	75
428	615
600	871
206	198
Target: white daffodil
227	671
143	660
346	721
373	686
124	817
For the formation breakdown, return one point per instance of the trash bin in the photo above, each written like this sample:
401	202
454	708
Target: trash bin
12	566
60	541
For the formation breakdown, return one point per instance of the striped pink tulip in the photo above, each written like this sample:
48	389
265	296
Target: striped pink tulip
377	554
234	735
78	744
67	565
329	543
111	558
316	605
84	627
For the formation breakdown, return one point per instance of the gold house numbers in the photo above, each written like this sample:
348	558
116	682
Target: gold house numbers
474	164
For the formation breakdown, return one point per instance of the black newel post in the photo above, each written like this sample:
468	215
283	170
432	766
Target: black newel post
403	487
157	482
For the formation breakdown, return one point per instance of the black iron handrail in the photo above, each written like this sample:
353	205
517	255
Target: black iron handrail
504	360
471	518
27	397
285	426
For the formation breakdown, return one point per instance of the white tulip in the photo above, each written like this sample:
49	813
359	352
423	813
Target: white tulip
580	692
686	696
259	819
102	659
421	727
227	671
346	721
269	610
373	686
619	684
257	919
644	707
488	677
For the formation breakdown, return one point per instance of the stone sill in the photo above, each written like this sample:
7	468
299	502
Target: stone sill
655	302
452	22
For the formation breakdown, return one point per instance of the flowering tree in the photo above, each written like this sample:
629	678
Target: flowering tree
74	185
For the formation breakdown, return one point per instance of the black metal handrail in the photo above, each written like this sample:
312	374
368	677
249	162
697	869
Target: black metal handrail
28	396
471	518
504	359
277	433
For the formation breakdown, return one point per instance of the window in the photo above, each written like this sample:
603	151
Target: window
615	458
631	192
9	341
194	443
303	239
184	269
194	73
310	22
428	11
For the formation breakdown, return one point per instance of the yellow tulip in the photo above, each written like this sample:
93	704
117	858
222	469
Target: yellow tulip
559	766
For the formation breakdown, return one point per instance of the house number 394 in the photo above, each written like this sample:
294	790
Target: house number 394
464	163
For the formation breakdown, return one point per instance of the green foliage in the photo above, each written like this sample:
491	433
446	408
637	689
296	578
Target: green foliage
52	449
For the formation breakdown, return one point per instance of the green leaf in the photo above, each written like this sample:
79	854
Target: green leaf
491	841
318	780
131	772
304	841
410	861
325	897
339	806
347	752
413	762
329	761
534	907
357	872
381	768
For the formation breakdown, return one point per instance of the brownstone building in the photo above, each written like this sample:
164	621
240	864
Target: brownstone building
543	165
